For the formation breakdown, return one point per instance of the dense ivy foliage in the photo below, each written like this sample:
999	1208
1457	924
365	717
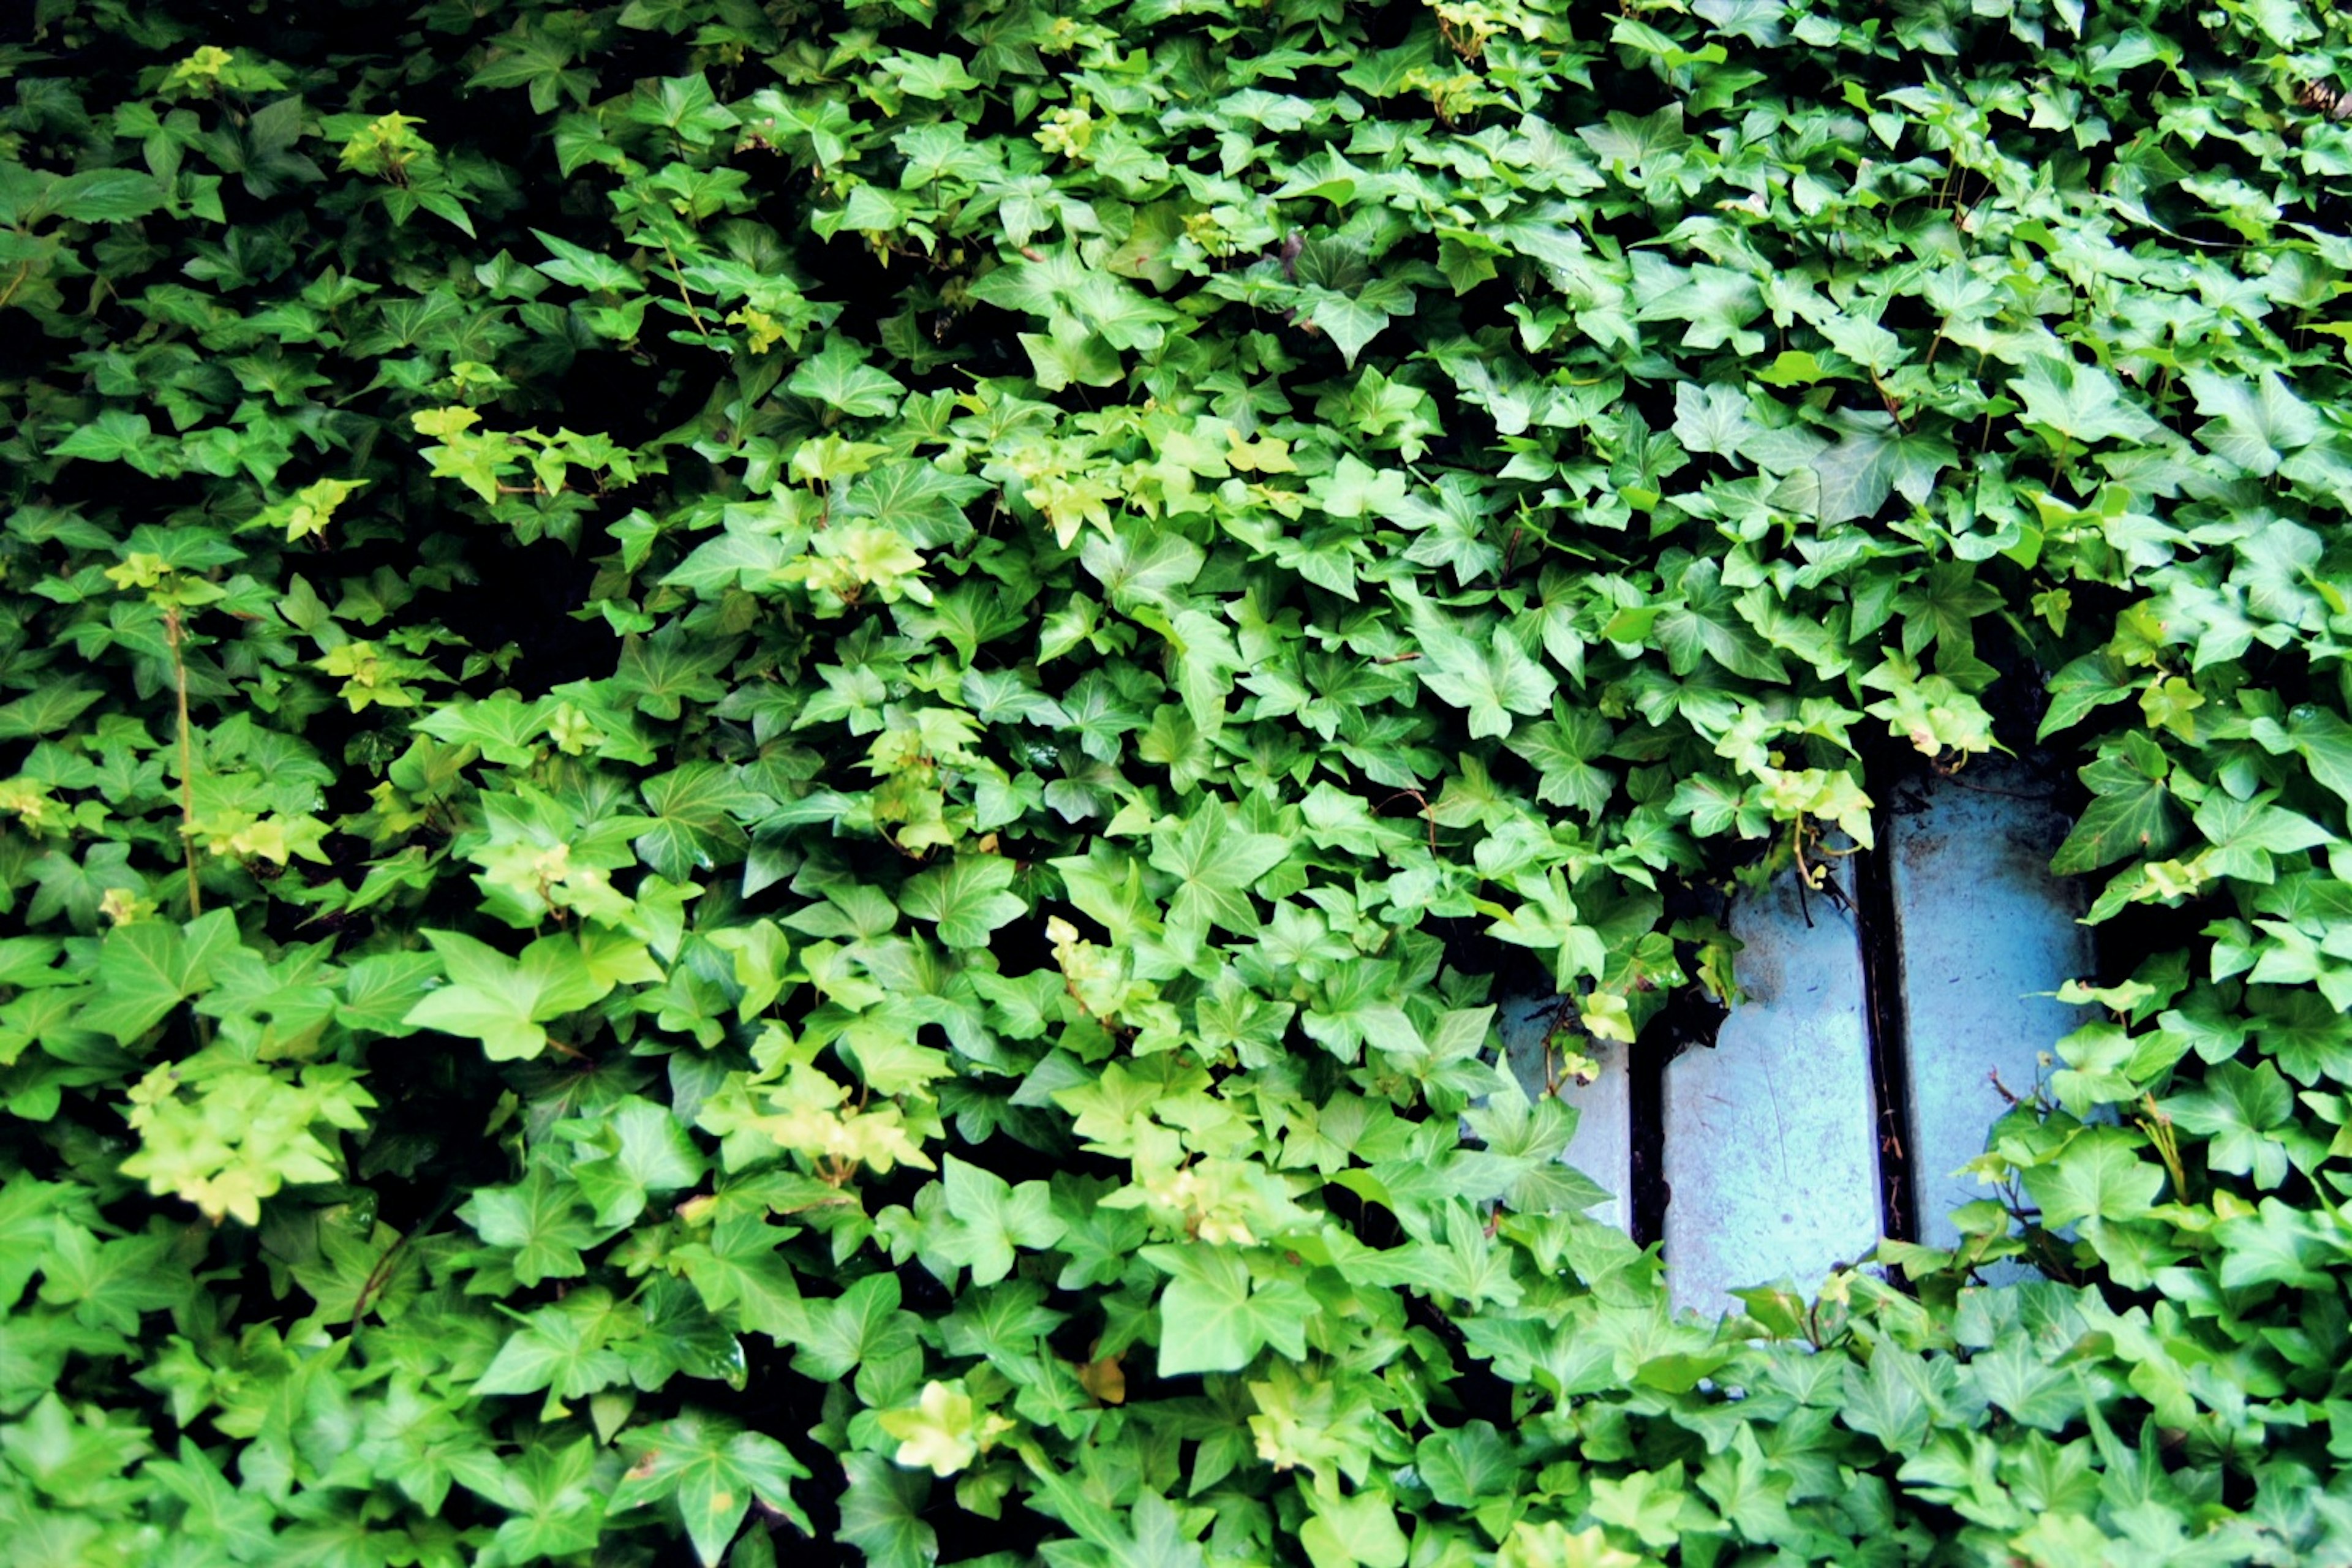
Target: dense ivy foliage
767	770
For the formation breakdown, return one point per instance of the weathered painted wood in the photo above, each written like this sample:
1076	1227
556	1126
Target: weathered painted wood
1603	1145
1770	1153
1987	929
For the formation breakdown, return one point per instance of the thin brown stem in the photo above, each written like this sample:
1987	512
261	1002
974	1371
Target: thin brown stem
1893	409
1984	435
1426	813
172	636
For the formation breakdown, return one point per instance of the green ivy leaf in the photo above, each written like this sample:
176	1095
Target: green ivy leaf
584	268
1873	457
993	1218
506	728
1353	318
2130	814
1215	865
861	1328
46	712
2099	1175
1491	684
565	1348
147	968
882	1514
967	898
1215	1315
557	1507
698	812
839	378
712	1469
2279	1245
98	196
2240	1108
669	670
2254	424
2081	403
632	1149
504	1002
540	1220
2080	689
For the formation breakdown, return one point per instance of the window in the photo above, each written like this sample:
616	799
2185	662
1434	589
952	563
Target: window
1883	1027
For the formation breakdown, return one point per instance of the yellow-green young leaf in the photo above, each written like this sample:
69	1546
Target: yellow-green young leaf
943	1431
443	423
1792	367
312	507
1551	1544
1826	795
226	1134
1358	1531
386	145
1607	1016
759	951
2171	704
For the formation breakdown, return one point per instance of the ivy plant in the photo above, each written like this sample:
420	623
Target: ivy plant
767	771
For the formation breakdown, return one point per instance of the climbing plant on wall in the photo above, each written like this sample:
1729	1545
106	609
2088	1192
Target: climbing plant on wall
767	770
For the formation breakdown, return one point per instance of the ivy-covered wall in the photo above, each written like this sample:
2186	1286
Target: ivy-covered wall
765	771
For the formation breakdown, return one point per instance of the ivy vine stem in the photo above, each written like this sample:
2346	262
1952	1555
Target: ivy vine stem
678	275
